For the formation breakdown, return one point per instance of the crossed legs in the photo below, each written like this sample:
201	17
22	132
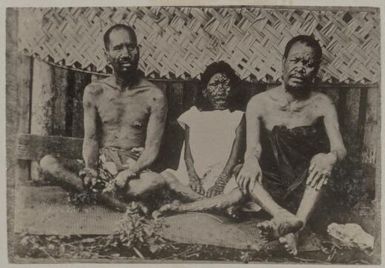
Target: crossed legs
285	225
147	181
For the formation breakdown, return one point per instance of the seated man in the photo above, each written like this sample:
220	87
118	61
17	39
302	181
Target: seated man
124	119
293	142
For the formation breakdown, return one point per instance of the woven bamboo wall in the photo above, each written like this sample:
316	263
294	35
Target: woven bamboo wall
179	42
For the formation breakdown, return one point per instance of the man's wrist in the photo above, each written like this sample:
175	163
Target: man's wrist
134	168
251	158
333	156
90	172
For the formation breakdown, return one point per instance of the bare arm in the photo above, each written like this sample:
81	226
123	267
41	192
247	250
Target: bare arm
322	164
235	155
155	129
333	132
90	143
251	171
188	158
236	150
253	144
194	180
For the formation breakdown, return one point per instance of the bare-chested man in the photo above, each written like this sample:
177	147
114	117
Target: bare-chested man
124	119
287	161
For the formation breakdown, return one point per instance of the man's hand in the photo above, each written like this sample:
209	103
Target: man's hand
123	176
249	175
89	181
196	184
320	169
89	177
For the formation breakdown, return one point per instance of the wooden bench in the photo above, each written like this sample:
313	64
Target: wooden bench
31	147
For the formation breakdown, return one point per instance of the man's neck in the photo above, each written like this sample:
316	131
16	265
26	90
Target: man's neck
126	81
290	96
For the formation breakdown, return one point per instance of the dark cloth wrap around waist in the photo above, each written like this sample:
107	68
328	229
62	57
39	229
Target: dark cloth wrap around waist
286	156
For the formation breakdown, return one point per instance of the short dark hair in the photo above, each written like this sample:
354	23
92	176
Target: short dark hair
235	96
307	40
106	36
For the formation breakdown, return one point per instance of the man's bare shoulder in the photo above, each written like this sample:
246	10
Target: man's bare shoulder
321	99
321	102
154	93
260	99
97	88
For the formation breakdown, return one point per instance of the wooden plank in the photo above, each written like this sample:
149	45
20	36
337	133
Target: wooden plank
43	99
190	90
34	147
60	87
371	129
81	80
351	119
371	143
175	100
24	71
11	121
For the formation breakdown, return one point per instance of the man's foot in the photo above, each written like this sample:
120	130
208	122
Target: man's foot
290	242
280	226
167	209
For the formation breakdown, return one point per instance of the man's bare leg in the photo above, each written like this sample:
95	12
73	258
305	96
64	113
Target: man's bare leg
306	207
283	221
217	202
149	181
52	166
179	187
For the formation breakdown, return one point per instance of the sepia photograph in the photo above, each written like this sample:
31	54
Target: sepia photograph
221	134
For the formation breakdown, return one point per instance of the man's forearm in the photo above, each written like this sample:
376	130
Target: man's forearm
253	154
90	153
145	160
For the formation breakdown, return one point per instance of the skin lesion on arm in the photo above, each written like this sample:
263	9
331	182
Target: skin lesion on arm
155	129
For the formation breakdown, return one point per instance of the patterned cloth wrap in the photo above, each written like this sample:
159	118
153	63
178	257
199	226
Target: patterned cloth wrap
111	161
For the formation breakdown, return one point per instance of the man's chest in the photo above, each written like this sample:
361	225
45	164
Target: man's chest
290	116
123	108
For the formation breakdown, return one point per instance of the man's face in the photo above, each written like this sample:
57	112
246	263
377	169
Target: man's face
217	91
299	69
123	52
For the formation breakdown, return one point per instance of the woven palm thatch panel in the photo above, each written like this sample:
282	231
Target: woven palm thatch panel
181	41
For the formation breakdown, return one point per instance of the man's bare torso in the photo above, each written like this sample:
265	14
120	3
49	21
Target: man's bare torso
275	110
123	114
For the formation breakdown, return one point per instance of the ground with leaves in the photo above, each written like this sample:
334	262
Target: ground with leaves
136	239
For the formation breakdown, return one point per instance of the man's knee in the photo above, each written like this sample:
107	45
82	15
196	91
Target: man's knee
169	179
49	164
147	181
